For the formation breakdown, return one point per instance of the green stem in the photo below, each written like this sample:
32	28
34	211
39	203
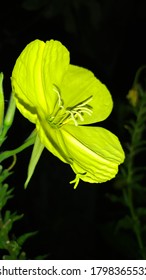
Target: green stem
128	194
30	141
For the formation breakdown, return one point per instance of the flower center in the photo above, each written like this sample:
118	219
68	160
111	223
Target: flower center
62	115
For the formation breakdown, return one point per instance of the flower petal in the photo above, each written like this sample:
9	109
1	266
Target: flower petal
52	139
95	152
80	84
39	67
26	83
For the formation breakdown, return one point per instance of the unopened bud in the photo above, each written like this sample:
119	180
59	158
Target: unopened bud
10	112
1	102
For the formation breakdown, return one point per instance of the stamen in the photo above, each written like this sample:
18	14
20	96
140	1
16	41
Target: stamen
60	101
62	115
76	181
57	106
86	110
78	114
72	117
86	101
78	111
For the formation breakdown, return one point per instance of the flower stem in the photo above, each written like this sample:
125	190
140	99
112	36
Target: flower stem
29	141
136	137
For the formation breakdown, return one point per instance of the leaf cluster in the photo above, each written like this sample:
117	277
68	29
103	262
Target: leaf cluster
130	182
11	247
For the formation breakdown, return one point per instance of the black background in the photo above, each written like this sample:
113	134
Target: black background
107	37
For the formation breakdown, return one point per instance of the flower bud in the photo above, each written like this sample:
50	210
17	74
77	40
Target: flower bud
1	102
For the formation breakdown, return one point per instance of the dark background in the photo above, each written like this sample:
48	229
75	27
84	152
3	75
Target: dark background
107	37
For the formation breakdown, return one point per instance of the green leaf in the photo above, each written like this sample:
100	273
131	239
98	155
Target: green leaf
115	198
9	219
22	256
5	194
140	169
124	223
41	257
140	144
21	239
4	174
141	211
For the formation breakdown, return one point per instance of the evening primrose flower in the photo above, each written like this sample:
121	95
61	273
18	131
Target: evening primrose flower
62	100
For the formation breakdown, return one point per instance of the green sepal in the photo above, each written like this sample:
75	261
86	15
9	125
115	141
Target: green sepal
36	153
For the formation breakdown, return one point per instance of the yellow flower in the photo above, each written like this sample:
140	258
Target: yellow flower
61	100
132	96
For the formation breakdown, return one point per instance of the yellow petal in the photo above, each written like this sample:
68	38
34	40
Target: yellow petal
96	152
25	79
78	85
52	139
39	67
